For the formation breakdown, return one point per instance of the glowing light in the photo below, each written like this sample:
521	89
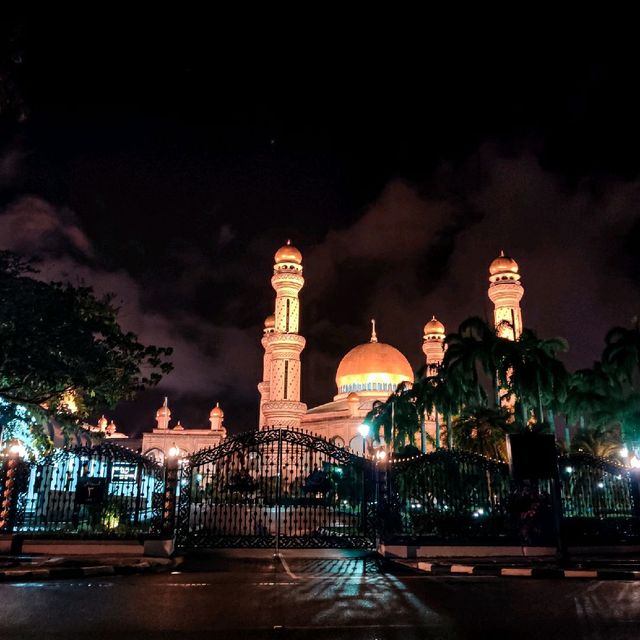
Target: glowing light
601	485
174	452
635	462
569	469
624	452
18	449
363	429
381	454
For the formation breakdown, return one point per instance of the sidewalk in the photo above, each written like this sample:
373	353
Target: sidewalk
46	567
593	567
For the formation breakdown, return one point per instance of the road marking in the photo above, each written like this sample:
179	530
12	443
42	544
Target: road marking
580	573
290	573
461	568
514	571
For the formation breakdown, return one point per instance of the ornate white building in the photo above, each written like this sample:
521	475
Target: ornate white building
159	442
370	371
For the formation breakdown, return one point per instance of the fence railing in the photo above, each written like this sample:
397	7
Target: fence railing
454	496
108	491
104	491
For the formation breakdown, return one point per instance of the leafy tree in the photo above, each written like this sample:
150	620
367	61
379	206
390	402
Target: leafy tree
63	355
603	442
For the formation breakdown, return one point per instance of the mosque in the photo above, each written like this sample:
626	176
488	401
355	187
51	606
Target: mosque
369	371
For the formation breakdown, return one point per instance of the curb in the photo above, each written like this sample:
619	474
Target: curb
435	568
61	573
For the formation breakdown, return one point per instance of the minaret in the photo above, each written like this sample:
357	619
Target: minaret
433	344
163	415
506	291
284	345
215	418
263	386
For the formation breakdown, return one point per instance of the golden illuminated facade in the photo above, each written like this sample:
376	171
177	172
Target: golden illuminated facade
280	404
368	372
506	291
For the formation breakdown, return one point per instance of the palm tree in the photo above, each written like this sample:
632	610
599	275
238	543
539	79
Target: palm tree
536	376
484	431
397	416
622	351
601	442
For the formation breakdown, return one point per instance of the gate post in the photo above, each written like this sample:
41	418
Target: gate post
278	491
9	490
164	545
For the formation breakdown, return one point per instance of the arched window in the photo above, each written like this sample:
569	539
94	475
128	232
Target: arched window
338	441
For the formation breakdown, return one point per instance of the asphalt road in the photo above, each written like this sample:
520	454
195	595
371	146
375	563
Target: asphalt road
316	598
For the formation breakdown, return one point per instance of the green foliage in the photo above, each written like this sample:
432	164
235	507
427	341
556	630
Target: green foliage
483	431
59	342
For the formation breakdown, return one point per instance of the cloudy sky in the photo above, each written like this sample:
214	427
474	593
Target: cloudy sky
167	168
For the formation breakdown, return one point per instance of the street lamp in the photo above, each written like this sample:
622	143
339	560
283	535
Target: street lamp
18	450
363	430
174	451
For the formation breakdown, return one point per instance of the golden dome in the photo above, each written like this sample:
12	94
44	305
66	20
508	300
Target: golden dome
102	423
353	397
178	427
270	322
373	366
503	264
216	412
288	253
434	326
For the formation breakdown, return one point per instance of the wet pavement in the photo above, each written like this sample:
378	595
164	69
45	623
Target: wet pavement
226	596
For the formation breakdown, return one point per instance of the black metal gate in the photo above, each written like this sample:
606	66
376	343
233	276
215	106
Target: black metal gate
276	488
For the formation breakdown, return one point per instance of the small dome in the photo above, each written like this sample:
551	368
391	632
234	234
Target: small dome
288	253
102	423
178	427
503	264
353	397
434	326
216	412
270	322
163	411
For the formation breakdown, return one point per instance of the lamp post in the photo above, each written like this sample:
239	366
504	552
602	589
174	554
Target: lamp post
363	430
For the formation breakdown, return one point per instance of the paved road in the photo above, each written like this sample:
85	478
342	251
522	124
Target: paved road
316	598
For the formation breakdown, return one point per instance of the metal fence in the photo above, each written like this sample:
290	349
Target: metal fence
459	497
105	491
290	488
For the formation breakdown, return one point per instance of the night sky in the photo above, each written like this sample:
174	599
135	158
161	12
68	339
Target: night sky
167	160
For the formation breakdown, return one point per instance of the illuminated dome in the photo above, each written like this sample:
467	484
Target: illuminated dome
434	326
163	412
288	253
503	264
270	322
373	368
216	412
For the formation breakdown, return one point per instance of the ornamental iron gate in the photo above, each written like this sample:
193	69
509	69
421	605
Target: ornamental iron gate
276	488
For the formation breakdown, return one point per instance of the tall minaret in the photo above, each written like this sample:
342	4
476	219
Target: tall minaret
284	344
263	386
433	344
506	291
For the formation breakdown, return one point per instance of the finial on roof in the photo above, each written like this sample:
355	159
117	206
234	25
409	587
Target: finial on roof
502	253
374	337
166	402
288	242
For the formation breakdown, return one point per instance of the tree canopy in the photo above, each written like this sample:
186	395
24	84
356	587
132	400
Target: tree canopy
63	354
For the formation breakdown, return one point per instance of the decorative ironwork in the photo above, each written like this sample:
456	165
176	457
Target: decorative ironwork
105	491
465	497
276	488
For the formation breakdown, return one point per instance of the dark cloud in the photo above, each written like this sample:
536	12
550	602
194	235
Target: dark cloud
418	249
